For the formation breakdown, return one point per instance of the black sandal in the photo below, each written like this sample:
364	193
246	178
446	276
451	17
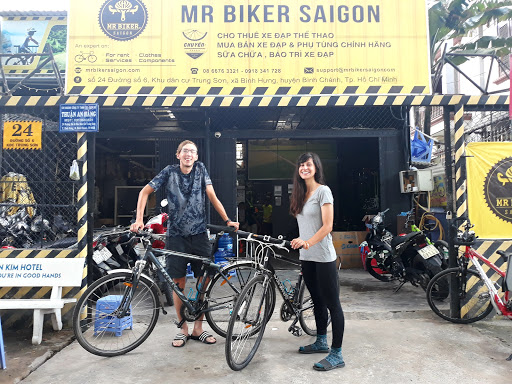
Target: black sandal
180	337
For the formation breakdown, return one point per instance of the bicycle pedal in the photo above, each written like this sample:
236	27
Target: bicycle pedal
296	331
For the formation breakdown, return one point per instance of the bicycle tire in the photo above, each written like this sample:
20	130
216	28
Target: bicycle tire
307	314
102	334
249	313
474	301
79	58
15	61
168	293
221	294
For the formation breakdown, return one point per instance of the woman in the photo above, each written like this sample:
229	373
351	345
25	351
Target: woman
312	205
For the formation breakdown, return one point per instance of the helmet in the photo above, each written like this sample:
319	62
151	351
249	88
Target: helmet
31	30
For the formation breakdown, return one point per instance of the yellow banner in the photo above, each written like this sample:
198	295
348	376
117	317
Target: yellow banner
489	168
22	134
228	48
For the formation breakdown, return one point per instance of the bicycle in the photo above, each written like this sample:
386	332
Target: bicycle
118	312
89	56
22	56
256	303
469	294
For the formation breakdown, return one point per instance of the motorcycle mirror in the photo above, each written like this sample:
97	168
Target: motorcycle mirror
164	203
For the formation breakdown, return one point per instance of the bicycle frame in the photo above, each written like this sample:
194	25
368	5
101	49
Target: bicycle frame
290	299
191	305
496	300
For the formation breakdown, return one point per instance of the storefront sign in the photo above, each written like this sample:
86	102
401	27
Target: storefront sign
489	168
39	272
79	118
22	135
221	48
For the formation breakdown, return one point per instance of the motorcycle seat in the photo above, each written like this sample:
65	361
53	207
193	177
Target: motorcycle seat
402	239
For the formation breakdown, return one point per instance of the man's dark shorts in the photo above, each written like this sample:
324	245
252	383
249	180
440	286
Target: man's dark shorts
196	245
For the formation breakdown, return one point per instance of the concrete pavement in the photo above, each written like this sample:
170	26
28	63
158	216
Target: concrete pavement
389	338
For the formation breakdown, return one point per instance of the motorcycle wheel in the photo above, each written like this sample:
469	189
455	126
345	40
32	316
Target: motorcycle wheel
374	270
442	247
429	268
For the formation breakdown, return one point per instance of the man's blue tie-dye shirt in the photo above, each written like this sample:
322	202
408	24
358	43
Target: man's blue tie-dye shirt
186	195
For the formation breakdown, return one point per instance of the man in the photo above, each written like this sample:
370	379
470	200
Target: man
25	47
186	186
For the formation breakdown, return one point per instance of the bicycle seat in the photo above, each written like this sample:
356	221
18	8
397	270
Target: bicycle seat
505	255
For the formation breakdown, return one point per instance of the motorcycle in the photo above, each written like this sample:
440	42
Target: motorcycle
112	249
406	258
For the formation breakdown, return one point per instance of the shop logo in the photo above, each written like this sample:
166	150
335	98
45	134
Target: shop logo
193	46
498	189
123	19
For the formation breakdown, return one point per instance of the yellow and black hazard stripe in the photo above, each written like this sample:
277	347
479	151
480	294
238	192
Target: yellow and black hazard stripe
80	90
488	249
33	18
461	199
170	101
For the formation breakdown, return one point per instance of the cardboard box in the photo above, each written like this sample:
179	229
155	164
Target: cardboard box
346	245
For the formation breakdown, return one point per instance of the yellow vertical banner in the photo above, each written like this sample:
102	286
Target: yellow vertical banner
248	47
489	169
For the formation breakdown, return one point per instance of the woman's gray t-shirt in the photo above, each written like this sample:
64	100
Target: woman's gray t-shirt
310	221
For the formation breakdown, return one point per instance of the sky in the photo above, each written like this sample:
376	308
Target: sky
33	5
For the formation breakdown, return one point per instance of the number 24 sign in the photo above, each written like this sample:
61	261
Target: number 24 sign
22	134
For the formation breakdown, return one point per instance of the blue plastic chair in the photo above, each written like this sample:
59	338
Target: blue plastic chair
2	351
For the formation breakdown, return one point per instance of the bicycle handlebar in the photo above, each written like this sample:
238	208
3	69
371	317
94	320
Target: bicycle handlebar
249	235
466	237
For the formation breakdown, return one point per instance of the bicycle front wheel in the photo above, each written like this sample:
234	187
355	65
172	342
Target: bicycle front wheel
467	291
248	322
96	325
221	296
307	313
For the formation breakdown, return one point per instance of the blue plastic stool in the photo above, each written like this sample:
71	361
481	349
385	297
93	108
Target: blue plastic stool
104	322
2	351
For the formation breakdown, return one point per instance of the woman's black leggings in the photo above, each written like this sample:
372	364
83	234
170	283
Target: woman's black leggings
322	282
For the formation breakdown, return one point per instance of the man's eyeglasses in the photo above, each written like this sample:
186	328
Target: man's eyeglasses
191	151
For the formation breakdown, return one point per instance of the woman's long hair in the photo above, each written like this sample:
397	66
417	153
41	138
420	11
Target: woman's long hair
299	185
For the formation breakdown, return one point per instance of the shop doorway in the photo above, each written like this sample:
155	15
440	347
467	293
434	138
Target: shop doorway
264	176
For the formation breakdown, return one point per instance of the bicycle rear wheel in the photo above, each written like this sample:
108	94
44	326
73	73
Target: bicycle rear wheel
221	297
95	324
247	324
469	292
307	313
15	61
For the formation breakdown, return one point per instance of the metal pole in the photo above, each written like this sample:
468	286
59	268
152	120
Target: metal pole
207	157
454	302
